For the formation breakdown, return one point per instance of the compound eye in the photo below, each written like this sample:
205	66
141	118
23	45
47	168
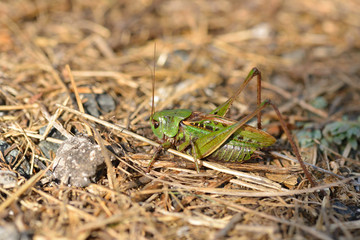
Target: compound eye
156	124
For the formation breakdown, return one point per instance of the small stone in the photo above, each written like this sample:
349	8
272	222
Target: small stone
8	179
12	157
77	161
349	212
46	146
98	103
9	232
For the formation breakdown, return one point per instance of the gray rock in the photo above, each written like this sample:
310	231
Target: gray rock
8	179
9	231
12	157
46	146
77	161
98	103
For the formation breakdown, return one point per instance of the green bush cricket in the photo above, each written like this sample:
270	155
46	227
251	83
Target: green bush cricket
215	136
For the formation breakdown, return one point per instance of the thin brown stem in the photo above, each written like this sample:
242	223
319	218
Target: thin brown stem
259	98
292	143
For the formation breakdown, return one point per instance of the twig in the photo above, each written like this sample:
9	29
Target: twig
18	107
77	96
28	184
231	224
307	229
279	155
245	193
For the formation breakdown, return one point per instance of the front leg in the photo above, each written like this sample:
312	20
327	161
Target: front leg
164	145
189	141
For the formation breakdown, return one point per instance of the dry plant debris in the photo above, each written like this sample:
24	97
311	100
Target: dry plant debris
84	67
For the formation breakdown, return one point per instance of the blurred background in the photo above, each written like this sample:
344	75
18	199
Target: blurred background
307	50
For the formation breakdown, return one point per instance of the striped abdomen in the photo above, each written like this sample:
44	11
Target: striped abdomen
233	153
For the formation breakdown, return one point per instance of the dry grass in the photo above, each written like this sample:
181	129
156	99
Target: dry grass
307	50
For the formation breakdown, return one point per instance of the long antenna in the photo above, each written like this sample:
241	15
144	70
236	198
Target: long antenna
153	84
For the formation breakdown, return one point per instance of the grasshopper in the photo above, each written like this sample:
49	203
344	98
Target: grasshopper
213	135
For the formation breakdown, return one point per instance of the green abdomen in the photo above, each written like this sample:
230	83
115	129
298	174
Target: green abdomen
239	147
233	152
